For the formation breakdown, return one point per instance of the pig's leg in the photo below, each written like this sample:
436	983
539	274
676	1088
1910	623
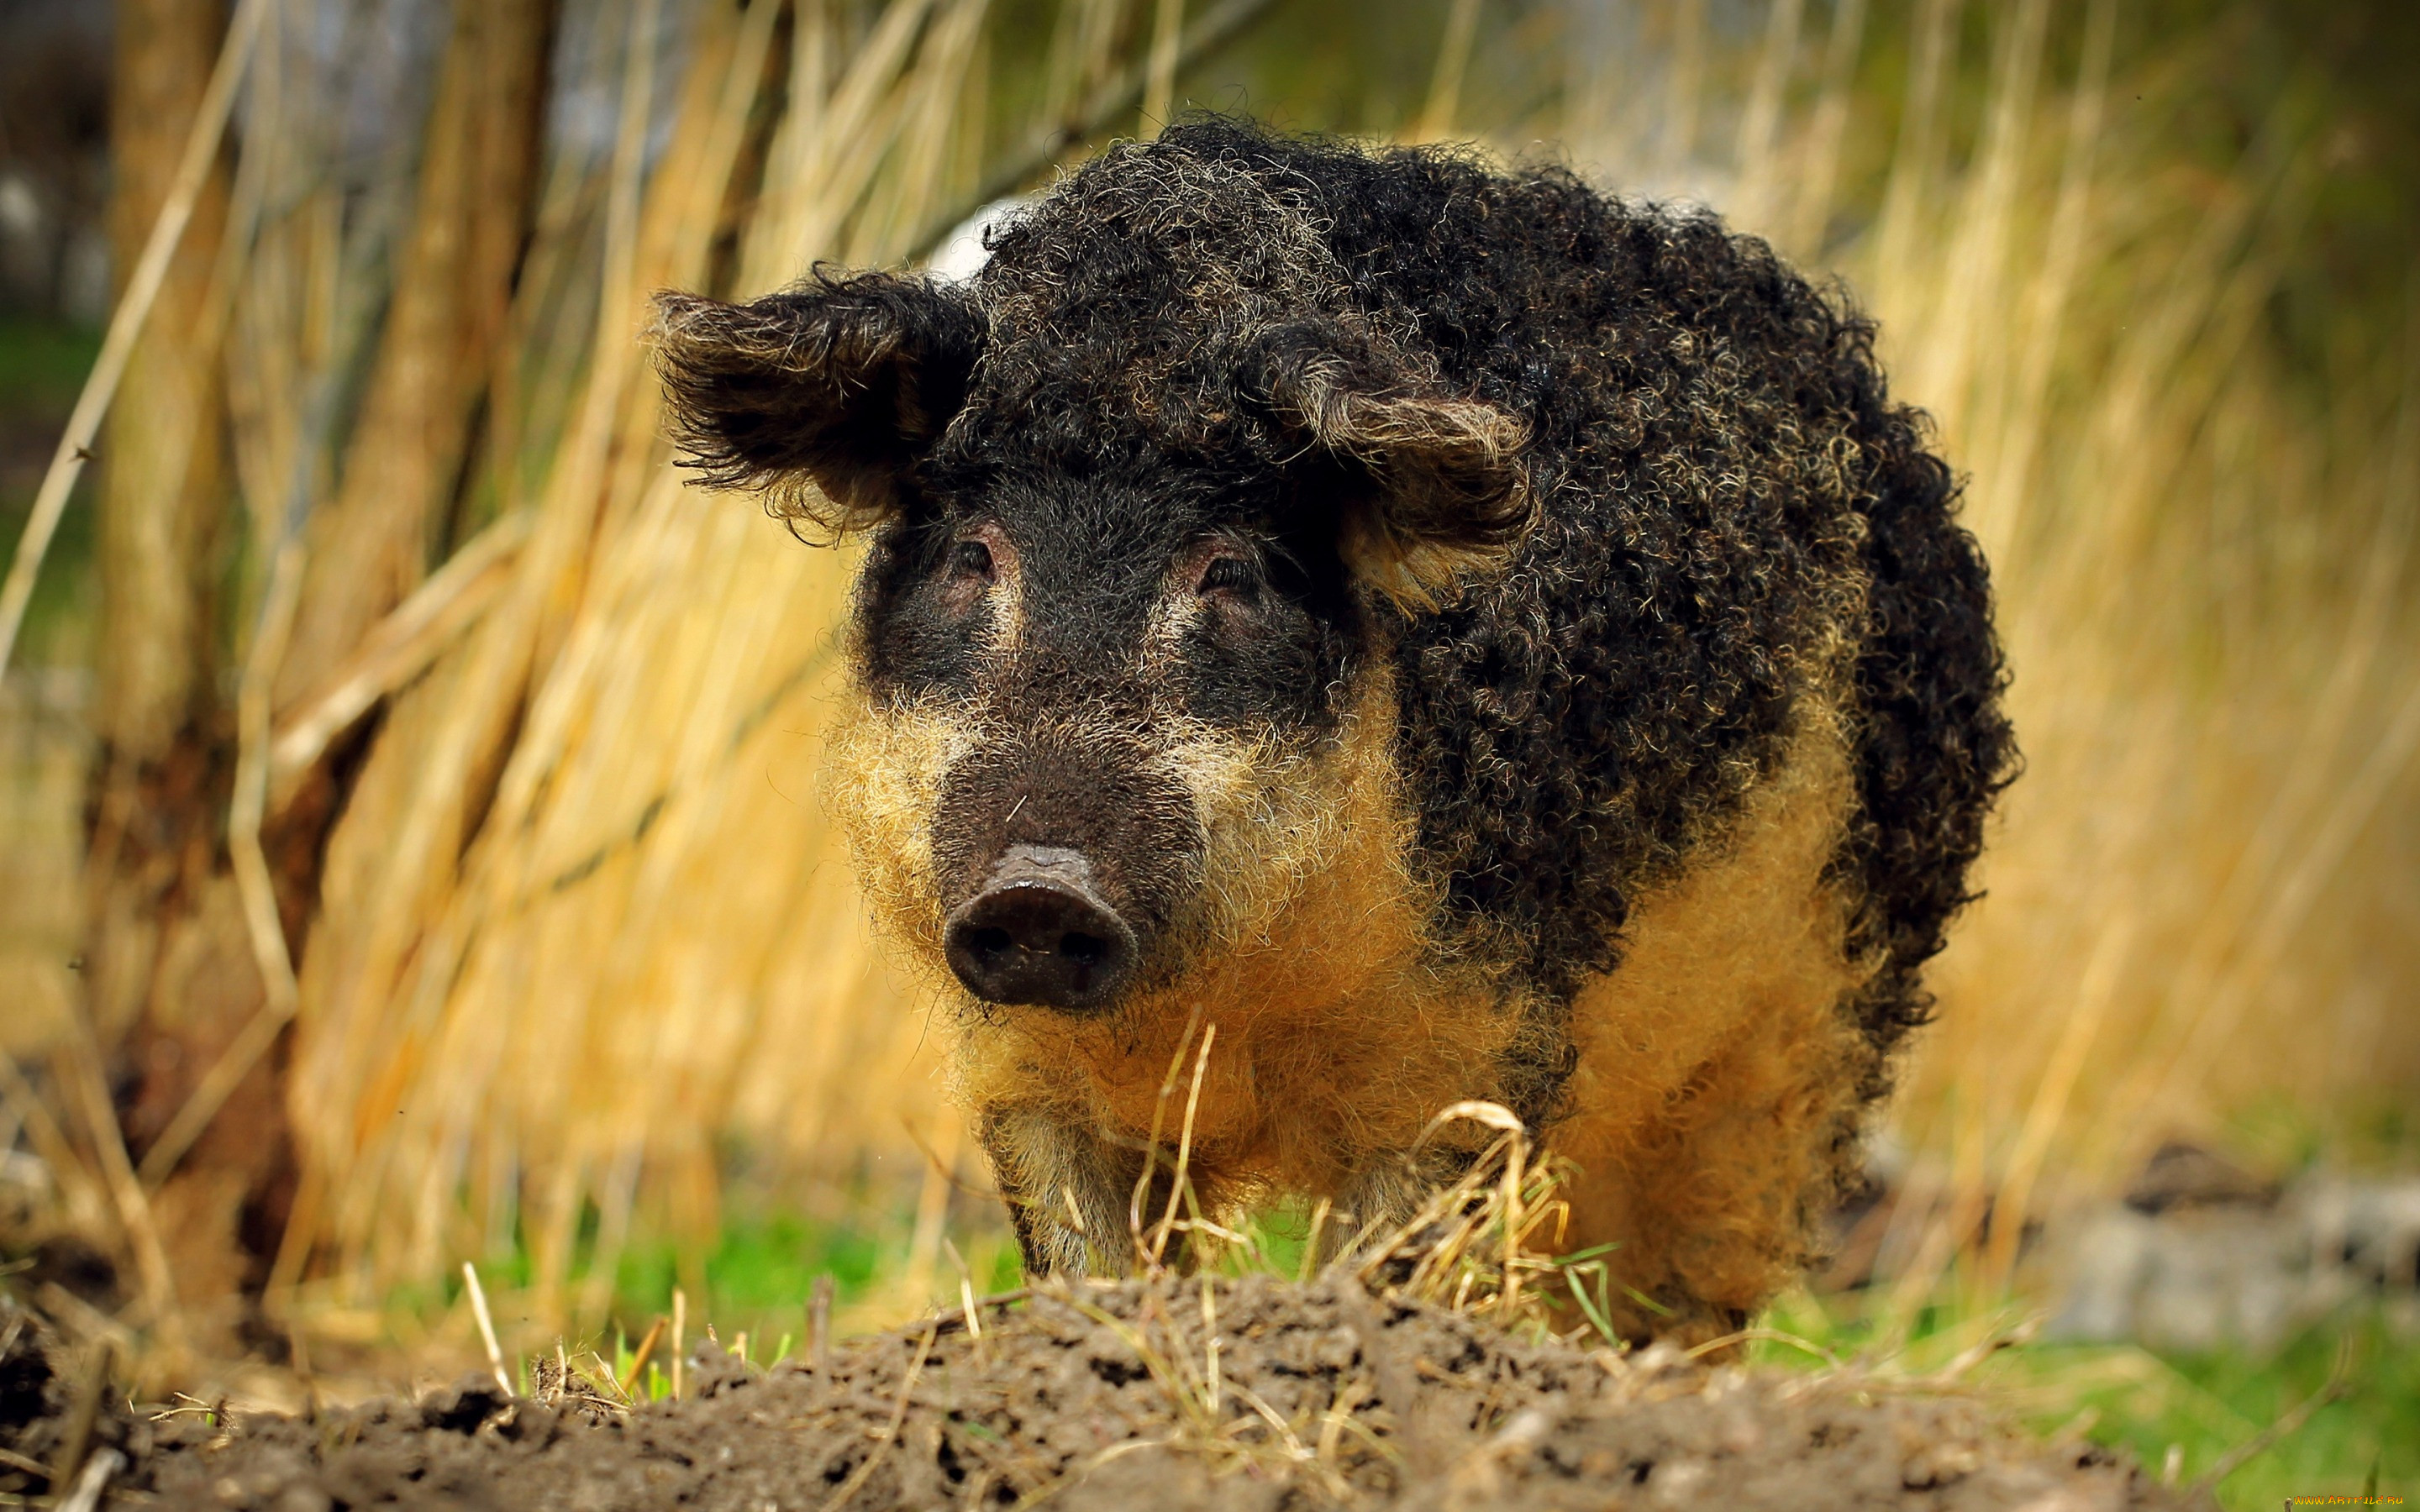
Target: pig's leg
1375	1205
1370	1210
1069	1191
1714	1200
1722	1067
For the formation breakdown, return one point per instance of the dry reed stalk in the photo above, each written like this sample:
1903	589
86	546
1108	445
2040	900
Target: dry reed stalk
283	372
629	1384
1945	371
163	1314
1160	94
264	929
2189	1009
476	191
673	515
924	135
2048	1108
2053	289
1759	152
378	885
1179	1187
1084	44
1685	90
479	1314
1915	160
717	147
1473	1245
680	1340
1820	167
2339	706
1944	1231
398	649
149	922
931	1206
82	1192
282	346
1051	140
1136	1233
1436	118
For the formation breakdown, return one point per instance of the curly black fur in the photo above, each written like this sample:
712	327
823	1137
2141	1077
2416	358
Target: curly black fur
1724	475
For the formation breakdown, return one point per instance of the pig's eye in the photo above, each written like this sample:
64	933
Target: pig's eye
970	559
1229	575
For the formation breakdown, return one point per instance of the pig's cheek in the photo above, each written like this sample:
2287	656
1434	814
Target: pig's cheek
1290	821
1003	607
1164	635
887	762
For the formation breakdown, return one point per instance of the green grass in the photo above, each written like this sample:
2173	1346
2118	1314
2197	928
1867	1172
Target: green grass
42	364
757	1282
2208	1404
2204	1404
758	1278
42	367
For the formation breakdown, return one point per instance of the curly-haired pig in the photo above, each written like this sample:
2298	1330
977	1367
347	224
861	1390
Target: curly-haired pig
1451	633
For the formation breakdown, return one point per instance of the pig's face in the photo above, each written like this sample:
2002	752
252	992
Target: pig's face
1119	668
1120	629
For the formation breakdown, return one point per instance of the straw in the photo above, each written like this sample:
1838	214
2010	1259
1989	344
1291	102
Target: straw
486	1326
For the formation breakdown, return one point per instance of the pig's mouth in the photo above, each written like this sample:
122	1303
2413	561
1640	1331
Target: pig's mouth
1038	933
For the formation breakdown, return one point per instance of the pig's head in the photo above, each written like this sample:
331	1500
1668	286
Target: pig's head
1143	499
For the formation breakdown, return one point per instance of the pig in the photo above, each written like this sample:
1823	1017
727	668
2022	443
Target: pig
1433	632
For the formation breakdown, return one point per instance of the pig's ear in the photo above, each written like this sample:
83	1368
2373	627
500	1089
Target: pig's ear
821	396
1445	495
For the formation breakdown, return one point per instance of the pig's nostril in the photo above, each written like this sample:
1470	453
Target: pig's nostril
1041	940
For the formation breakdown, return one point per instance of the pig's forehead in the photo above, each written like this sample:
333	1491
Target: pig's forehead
1112	415
1137	510
1087	534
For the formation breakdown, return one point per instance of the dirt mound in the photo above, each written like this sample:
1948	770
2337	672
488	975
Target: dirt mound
1169	1395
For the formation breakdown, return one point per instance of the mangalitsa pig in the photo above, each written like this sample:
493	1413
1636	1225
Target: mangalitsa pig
1457	635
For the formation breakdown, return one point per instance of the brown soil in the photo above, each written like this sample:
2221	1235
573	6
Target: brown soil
1323	1395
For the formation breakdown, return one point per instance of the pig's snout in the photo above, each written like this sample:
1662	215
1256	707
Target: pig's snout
1039	932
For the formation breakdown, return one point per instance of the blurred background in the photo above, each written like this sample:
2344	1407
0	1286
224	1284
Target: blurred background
414	850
